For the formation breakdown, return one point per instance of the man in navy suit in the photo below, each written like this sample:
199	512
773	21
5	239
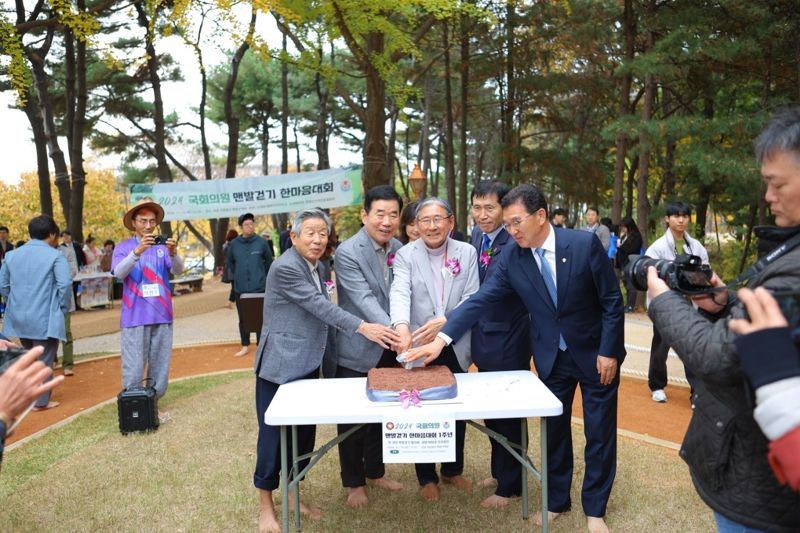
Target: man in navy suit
501	337
576	334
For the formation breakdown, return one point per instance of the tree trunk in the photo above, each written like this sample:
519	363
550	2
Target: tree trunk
78	129
629	182
510	160
296	146
232	122
435	184
669	151
424	157
629	28
462	162
40	142
375	167
391	145
449	162
323	159
703	200
284	110
36	58
642	201
264	142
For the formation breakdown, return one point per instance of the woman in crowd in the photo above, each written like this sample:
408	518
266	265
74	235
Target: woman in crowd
408	224
92	254
630	243
227	275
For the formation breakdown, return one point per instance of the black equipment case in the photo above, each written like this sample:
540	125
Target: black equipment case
138	409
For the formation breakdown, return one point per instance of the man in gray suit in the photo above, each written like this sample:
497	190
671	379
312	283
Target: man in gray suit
364	276
432	276
297	316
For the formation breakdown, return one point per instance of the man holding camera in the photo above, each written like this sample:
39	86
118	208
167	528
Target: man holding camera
724	447
675	241
143	264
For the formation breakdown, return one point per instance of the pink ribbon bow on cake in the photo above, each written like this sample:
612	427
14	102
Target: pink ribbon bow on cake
407	398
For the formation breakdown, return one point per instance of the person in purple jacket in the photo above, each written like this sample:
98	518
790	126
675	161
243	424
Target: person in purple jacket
146	318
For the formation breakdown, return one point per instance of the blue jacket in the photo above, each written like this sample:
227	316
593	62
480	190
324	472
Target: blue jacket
589	313
501	337
35	280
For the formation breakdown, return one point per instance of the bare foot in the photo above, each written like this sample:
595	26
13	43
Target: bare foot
495	502
551	517
488	483
357	497
308	510
459	482
430	492
267	521
596	524
50	405
242	352
385	484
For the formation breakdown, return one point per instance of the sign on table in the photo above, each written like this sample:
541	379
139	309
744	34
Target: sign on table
417	437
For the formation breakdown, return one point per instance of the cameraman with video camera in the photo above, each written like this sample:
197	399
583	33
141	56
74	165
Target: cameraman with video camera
724	446
675	242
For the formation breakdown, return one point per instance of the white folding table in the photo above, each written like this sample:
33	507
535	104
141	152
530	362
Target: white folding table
483	395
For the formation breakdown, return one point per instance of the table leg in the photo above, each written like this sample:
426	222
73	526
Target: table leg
284	481
295	479
543	446
524	445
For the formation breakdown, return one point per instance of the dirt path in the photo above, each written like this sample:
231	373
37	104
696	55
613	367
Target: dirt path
99	380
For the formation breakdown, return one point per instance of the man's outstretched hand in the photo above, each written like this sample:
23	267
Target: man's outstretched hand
428	352
22	383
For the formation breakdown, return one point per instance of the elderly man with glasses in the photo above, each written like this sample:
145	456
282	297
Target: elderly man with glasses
146	319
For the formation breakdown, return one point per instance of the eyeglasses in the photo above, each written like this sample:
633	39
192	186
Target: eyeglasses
435	221
147	221
517	222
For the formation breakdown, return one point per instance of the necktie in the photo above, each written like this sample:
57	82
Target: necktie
486	243
547	276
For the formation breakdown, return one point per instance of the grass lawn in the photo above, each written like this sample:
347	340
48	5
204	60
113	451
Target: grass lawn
195	474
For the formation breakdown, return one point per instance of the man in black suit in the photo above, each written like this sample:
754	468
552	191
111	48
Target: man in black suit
566	281
285	239
501	337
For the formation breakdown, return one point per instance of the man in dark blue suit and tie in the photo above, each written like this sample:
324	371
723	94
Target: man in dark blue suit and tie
576	335
501	337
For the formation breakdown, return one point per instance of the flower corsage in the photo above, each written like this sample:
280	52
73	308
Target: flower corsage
487	256
453	266
330	286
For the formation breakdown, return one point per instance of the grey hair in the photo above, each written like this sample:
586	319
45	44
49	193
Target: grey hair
781	134
433	200
307	214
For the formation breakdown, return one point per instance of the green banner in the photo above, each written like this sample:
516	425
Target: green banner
261	195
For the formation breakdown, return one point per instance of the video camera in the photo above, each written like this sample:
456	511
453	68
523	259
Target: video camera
686	274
